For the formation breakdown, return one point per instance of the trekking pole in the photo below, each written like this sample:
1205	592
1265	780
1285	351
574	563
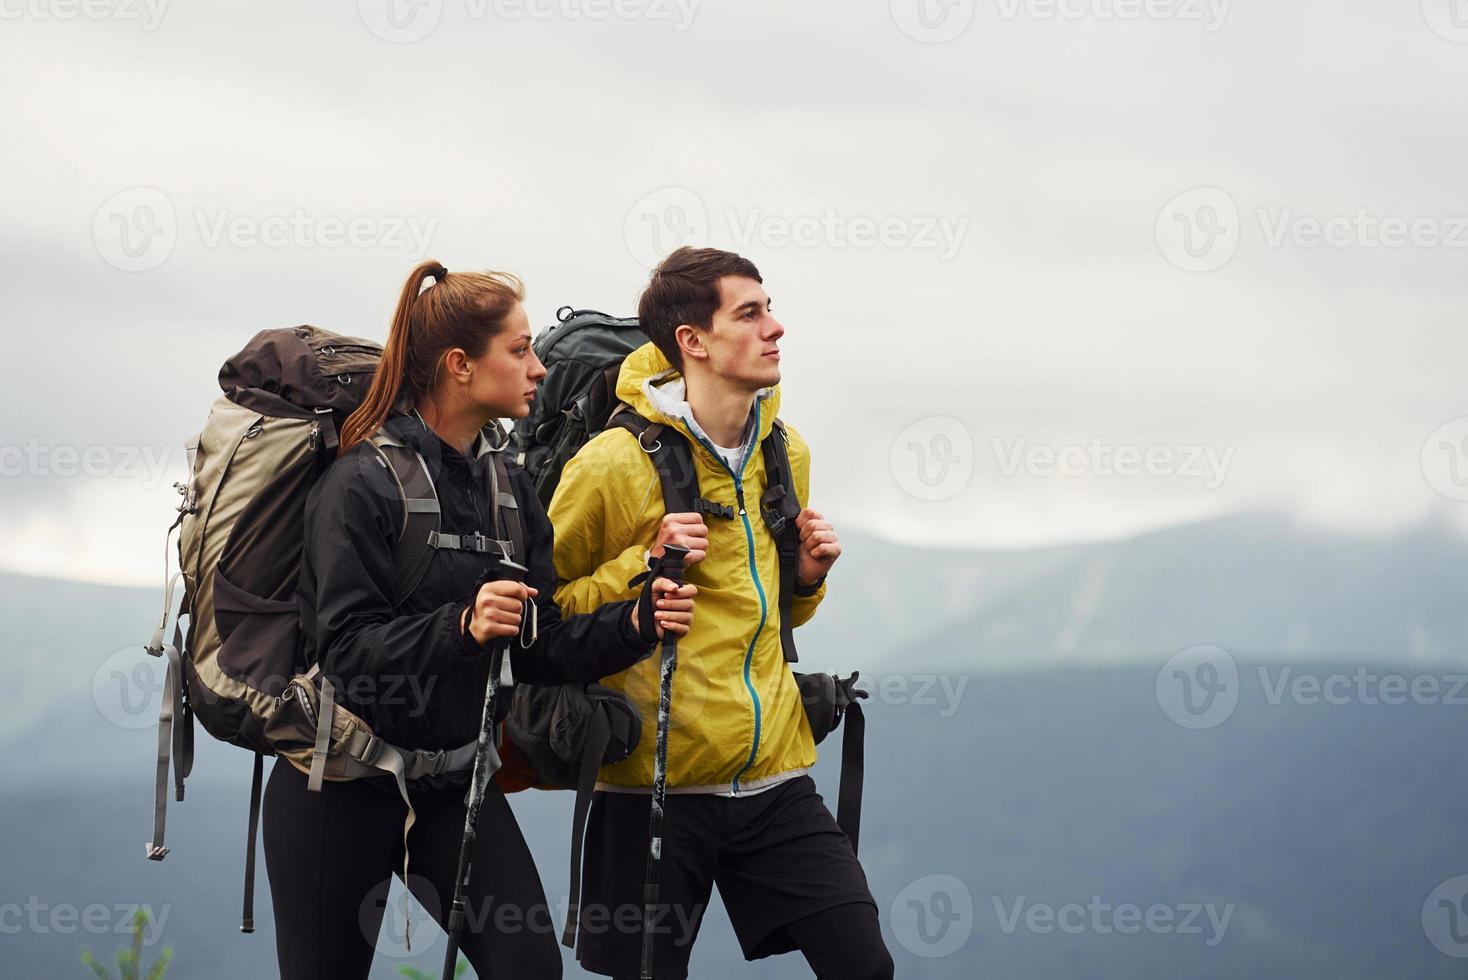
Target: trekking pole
672	565
458	910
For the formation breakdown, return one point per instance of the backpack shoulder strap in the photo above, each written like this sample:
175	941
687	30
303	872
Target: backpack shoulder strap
504	509
671	457
420	512
779	507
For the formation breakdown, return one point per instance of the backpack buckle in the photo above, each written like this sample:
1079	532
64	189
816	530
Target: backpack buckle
772	512
712	509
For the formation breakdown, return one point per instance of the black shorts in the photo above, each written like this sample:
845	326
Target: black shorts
777	857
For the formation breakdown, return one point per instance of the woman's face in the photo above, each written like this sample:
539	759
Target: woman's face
505	376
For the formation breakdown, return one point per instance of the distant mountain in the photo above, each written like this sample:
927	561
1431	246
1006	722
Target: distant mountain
1021	760
1315	834
1253	584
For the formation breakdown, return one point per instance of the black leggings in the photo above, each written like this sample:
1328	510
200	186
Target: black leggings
841	943
331	856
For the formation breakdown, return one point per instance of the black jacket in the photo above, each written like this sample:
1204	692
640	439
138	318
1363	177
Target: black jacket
407	671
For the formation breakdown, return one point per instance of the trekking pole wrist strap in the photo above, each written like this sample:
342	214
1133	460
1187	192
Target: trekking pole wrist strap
806	591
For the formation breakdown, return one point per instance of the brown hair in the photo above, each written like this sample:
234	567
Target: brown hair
685	289
460	309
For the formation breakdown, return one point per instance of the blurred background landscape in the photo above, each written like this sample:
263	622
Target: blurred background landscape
1128	338
1316	831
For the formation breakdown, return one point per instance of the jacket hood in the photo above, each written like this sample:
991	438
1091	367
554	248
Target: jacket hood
647	368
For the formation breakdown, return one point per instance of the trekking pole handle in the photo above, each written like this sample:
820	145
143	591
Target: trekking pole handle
673	563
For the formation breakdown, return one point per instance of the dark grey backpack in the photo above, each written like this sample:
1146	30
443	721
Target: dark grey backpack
582	354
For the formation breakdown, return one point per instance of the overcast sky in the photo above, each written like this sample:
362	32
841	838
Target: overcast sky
1050	269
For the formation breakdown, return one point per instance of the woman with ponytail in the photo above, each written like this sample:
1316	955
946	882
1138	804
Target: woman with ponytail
458	357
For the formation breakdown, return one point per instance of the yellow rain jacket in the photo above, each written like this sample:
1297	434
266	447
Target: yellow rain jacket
737	723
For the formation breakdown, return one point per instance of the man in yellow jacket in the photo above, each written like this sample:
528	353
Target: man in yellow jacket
742	811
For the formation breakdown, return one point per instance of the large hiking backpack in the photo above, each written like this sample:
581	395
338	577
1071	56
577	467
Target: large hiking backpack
583	354
268	439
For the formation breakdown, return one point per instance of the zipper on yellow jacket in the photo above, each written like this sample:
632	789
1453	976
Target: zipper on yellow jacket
758	586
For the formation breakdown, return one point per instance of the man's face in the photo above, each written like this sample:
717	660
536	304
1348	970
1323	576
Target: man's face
743	341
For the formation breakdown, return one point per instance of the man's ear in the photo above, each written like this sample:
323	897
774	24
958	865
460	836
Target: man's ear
690	342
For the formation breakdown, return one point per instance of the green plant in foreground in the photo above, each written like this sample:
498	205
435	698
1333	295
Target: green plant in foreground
415	974
129	960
